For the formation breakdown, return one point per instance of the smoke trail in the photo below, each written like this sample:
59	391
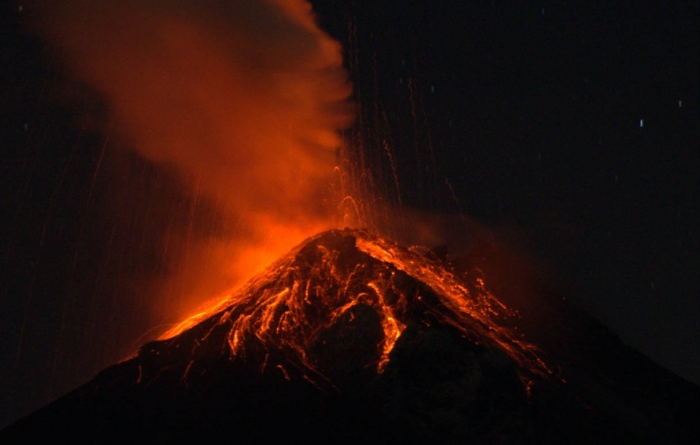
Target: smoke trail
244	99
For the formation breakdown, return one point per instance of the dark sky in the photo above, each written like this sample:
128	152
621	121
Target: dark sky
576	123
573	124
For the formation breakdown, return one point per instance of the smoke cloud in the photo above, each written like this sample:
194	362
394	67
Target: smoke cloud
244	99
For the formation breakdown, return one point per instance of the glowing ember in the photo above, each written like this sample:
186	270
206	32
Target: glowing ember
352	292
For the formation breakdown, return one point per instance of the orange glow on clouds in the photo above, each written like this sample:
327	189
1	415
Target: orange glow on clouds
243	99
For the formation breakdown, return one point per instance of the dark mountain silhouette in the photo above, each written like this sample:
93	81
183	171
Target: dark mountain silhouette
352	339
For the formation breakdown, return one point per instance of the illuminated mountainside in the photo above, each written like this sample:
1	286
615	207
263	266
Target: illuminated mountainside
350	289
350	338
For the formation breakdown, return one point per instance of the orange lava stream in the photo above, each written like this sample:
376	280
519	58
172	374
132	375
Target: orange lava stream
320	284
478	312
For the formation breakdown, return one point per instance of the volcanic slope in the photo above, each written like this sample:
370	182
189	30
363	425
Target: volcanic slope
350	338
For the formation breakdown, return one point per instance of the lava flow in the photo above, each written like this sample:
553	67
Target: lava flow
339	302
351	338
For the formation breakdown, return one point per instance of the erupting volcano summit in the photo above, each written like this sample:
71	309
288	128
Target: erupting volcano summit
341	300
350	338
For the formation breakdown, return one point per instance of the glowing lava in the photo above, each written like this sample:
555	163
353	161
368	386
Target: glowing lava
355	293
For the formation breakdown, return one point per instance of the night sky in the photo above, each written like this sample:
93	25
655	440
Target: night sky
573	127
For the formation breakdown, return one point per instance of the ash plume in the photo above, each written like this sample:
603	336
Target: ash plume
242	99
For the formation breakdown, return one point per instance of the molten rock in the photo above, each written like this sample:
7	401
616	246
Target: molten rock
350	338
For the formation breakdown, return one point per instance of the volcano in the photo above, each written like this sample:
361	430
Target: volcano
351	338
